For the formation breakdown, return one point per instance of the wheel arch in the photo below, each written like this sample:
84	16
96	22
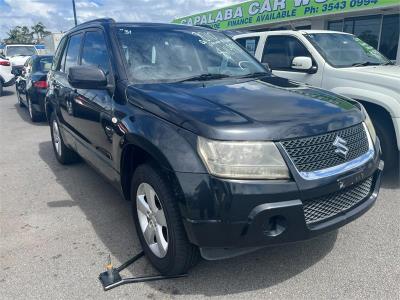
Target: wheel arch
133	154
48	107
377	103
376	112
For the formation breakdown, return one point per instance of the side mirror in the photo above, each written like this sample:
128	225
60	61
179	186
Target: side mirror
303	63
266	65
87	77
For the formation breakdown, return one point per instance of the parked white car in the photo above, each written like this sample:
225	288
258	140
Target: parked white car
6	77
342	63
19	53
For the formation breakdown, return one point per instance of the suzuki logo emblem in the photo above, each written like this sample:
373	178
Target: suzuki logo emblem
341	149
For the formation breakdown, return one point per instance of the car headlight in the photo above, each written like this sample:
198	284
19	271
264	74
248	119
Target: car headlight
244	160
369	124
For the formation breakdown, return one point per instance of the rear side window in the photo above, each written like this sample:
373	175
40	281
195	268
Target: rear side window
94	51
72	56
250	43
279	52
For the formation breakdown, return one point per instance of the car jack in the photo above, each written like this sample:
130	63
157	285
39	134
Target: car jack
111	277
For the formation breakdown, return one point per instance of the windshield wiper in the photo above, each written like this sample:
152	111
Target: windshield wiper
365	63
255	74
388	63
204	77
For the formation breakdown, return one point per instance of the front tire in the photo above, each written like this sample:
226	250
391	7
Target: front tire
390	154
63	154
158	223
1	88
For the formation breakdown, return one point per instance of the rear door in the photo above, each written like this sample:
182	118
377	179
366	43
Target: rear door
63	90
279	51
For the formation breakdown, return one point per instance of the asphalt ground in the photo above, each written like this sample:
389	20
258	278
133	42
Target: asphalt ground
59	223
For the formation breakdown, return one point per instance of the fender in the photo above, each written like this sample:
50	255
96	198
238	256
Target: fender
386	101
159	138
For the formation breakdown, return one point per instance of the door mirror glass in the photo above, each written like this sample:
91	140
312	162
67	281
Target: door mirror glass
302	63
87	77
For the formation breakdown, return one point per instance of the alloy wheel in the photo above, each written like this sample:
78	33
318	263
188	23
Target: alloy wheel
30	108
152	220
56	138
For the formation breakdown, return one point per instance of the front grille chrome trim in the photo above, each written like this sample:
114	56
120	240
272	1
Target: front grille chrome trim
342	168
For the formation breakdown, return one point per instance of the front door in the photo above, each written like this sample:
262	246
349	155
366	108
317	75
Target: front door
279	51
92	108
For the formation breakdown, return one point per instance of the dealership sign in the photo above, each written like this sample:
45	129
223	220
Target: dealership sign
258	12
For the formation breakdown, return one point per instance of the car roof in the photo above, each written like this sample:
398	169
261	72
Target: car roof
107	22
277	32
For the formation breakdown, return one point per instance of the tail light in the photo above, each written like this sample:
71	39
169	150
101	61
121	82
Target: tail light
42	84
4	63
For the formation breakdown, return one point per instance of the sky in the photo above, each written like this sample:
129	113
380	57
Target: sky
57	15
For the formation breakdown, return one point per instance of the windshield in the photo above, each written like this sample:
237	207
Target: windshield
345	50
20	50
179	54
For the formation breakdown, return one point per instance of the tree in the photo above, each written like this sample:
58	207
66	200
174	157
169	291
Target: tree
22	34
40	31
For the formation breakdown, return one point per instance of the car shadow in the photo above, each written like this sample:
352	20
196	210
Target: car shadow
111	219
24	114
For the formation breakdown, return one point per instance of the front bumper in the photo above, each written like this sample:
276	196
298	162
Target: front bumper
221	213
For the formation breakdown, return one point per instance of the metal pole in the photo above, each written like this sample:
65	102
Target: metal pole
73	7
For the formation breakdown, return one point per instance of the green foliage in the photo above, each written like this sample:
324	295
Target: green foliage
22	34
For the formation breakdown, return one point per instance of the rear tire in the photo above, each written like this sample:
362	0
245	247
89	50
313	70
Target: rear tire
177	255
19	97
33	114
1	88
63	154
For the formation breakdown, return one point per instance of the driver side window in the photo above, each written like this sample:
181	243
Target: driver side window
279	52
94	52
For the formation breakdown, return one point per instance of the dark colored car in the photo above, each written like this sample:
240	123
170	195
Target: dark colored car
31	85
215	153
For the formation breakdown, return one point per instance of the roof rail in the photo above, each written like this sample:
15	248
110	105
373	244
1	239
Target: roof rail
100	20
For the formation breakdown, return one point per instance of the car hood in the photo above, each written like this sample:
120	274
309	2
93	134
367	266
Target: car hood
18	60
269	109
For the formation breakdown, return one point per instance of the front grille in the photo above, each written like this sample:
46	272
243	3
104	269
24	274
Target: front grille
321	208
318	152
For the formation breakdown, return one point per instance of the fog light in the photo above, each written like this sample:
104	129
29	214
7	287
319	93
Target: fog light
275	226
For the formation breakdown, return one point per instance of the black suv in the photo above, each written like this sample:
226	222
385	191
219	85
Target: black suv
217	155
